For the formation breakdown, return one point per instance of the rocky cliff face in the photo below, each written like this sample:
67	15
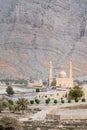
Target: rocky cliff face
33	32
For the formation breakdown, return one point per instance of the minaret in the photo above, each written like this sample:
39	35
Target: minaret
17	13
50	73
70	70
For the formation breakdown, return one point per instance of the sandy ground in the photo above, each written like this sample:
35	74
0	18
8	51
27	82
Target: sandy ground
42	114
16	89
55	109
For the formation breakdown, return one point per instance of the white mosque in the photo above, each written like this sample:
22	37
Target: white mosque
62	80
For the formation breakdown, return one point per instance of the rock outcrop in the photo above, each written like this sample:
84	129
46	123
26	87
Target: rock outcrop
33	32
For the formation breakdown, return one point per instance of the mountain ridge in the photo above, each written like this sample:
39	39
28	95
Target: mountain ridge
33	32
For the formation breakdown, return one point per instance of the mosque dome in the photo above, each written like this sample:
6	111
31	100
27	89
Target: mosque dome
62	74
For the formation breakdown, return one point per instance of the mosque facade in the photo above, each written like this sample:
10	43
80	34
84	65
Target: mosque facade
62	80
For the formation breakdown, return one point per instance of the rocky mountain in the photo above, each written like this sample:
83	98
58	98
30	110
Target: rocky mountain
33	32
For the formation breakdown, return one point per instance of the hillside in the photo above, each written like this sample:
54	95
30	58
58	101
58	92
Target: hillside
33	32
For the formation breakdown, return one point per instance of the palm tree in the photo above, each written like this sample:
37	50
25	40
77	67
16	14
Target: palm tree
22	104
9	123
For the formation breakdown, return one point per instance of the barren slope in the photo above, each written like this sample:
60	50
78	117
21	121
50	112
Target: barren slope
33	32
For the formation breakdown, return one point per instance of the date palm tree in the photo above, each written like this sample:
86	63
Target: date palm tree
22	104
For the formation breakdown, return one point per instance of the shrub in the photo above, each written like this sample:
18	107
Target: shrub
32	102
62	101
76	100
37	90
10	90
47	101
55	101
69	100
83	100
37	101
11	102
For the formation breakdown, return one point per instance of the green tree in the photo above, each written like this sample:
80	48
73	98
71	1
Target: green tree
10	90
37	101
69	100
76	93
55	101
62	100
83	100
31	101
12	106
11	102
37	90
47	101
22	104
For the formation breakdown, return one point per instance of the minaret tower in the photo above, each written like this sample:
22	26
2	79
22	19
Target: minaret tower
50	73
70	71
17	10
